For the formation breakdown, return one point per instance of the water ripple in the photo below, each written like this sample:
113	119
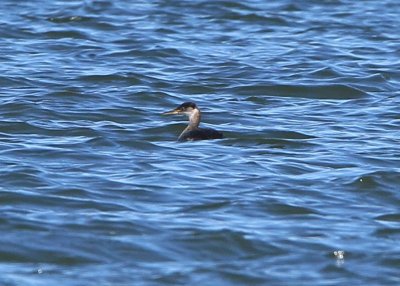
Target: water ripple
96	189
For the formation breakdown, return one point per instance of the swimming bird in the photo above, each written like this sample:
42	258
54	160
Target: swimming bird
193	131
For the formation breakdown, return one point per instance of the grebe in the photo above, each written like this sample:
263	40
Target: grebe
192	131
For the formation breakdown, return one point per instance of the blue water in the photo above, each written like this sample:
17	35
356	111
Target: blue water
303	190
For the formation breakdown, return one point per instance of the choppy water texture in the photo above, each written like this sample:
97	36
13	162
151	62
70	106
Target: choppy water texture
95	190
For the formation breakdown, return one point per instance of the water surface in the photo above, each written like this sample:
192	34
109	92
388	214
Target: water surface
95	190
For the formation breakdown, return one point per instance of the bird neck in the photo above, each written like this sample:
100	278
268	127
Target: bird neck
194	119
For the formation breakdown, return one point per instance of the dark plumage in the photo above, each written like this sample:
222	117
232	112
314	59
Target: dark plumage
200	134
